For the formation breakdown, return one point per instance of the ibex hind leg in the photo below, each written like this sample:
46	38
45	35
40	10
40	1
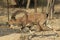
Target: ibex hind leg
40	26
43	27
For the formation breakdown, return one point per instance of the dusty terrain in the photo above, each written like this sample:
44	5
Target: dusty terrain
14	34
44	35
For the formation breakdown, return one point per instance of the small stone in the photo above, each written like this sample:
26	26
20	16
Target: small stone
26	29
35	28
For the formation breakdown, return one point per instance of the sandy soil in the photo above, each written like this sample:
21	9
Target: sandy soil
13	34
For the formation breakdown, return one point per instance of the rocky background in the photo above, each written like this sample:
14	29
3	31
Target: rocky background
7	33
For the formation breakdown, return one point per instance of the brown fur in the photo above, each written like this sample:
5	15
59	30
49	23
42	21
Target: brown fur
38	18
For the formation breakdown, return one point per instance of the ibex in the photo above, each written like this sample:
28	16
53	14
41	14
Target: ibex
29	18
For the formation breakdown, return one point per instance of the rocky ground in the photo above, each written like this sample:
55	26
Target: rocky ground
8	34
14	34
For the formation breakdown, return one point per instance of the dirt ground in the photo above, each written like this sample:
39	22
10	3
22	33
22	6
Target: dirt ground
14	34
44	35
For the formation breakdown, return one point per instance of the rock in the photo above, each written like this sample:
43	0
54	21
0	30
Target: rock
26	29
35	28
